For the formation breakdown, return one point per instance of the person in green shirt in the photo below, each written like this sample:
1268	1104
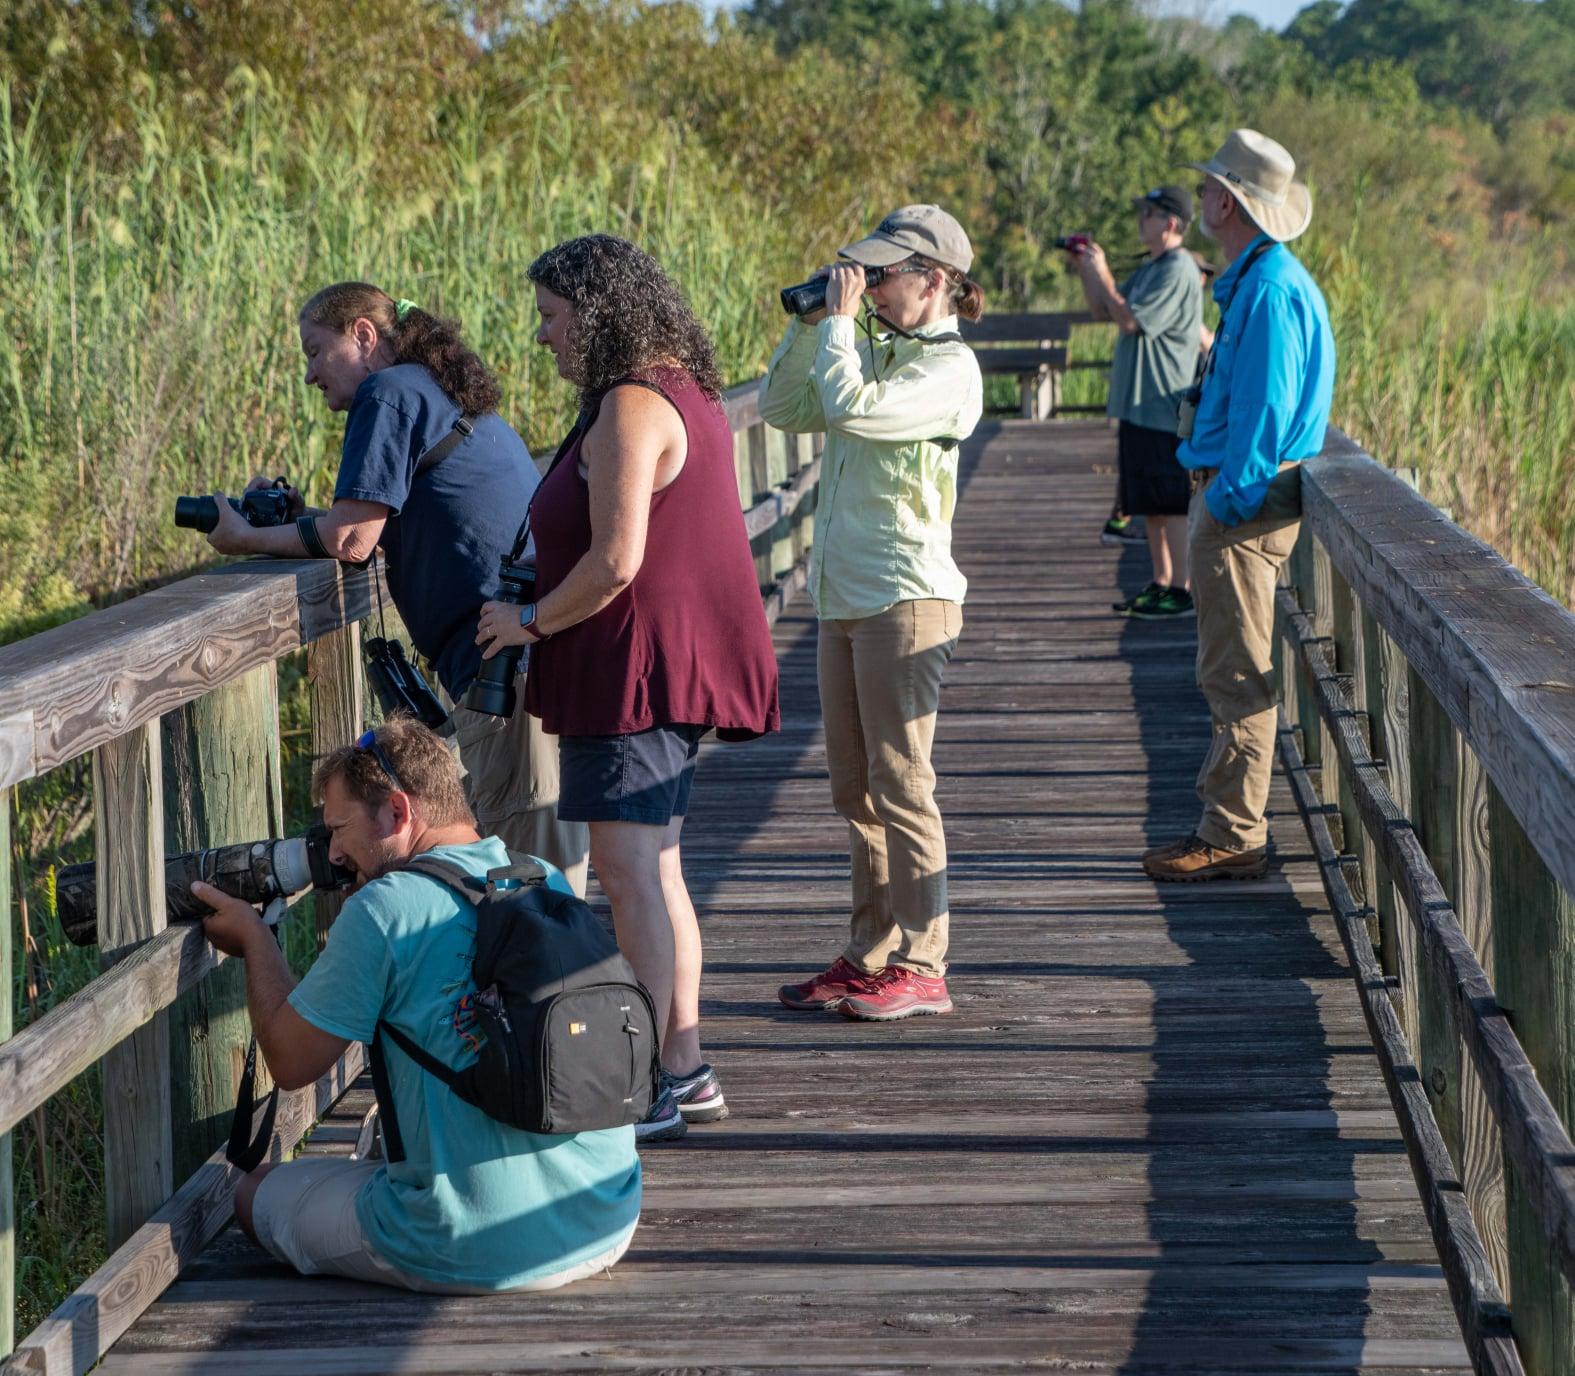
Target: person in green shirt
1159	311
894	405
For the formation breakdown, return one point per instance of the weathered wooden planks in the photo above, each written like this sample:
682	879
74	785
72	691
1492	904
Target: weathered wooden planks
1152	1137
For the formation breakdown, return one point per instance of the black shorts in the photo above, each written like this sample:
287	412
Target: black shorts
644	776
1153	482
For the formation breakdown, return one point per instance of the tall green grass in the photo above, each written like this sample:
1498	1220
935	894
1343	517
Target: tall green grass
149	345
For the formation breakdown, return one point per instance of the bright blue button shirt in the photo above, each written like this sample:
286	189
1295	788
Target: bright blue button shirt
1267	398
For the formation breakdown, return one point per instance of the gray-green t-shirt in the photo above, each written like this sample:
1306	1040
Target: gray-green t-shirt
1152	369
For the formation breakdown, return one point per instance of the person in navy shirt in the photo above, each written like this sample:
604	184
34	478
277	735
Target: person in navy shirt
406	378
1264	406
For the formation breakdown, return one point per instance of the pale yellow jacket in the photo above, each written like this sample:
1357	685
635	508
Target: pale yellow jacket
883	516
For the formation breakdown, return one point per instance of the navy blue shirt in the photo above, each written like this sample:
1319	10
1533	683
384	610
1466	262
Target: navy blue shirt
448	529
1266	399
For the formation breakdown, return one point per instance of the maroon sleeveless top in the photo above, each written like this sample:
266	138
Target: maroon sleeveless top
686	643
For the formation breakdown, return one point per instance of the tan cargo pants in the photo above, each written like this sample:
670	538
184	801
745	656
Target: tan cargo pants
1235	570
880	688
511	782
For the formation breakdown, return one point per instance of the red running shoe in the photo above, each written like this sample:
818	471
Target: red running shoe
895	993
825	990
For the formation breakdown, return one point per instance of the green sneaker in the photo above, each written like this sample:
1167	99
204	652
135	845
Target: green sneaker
1167	604
1148	594
1122	532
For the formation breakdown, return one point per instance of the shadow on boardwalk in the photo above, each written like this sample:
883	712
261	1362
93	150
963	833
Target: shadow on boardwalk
1152	1137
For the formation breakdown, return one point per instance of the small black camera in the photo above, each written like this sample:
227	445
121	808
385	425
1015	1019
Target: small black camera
811	296
493	690
263	506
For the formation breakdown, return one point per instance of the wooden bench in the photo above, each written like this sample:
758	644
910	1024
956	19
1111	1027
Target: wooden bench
1032	348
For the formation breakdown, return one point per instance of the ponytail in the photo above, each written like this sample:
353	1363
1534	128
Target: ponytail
969	296
415	336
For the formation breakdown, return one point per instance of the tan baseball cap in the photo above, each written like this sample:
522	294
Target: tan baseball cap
923	229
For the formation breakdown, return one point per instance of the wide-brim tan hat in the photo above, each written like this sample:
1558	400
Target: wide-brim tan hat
923	229
1261	175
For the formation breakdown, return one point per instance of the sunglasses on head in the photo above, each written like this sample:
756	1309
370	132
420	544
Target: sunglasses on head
367	741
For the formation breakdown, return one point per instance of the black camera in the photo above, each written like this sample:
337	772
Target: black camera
493	690
257	871
400	687
811	296
263	506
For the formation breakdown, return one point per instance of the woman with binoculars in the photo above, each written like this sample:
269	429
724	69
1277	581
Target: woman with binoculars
432	475
648	628
894	408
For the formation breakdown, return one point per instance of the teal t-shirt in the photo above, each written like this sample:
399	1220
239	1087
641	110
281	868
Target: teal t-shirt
1152	370
475	1202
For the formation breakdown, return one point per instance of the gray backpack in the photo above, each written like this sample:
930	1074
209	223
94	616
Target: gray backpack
567	1034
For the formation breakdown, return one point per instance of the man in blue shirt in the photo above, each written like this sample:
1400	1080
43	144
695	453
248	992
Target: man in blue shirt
1263	409
474	1206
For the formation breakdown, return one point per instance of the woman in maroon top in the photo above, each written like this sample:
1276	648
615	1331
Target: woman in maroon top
648	629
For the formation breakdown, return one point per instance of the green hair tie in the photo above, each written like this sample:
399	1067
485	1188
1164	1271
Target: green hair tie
402	308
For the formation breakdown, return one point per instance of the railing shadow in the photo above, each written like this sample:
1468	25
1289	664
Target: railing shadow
1237	1030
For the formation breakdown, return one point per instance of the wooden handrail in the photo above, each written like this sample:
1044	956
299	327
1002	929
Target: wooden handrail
1400	631
101	684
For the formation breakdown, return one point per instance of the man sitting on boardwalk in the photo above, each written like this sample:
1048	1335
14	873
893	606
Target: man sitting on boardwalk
1159	311
1264	406
475	1206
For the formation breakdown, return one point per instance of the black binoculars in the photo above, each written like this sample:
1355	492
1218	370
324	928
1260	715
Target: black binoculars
811	296
493	690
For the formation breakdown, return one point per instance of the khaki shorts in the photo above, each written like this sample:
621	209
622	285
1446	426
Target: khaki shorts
511	764
304	1214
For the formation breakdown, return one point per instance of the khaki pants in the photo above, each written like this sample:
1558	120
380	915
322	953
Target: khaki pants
1235	570
880	687
511	781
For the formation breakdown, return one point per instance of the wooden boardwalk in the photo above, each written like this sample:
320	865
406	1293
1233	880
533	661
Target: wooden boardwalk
1152	1138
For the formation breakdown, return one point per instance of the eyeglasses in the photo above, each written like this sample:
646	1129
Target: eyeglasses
368	743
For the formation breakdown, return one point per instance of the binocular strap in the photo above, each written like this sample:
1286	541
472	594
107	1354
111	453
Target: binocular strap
246	1149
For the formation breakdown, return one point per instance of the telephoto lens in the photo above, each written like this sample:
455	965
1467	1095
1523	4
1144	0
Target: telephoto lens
257	871
493	690
811	296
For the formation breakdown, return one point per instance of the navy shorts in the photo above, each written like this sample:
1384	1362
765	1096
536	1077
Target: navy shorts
641	777
1153	482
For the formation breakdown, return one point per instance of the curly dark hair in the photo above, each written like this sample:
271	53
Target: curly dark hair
415	337
629	315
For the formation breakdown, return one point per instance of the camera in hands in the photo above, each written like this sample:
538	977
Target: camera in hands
1072	243
493	691
263	506
257	871
810	296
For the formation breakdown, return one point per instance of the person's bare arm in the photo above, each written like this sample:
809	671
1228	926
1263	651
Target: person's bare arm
350	530
637	444
297	1053
1100	287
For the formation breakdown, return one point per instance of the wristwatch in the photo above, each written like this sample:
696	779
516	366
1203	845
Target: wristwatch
528	623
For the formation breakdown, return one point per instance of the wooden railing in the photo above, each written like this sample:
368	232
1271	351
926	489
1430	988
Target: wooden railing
1429	731
175	694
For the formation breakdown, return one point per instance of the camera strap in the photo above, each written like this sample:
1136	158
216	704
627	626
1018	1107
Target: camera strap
947	442
581	427
463	429
1230	300
247	1149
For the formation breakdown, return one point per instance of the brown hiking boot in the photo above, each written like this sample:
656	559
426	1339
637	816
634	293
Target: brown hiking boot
1199	860
1170	848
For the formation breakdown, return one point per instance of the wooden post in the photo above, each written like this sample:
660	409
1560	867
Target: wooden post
780	462
128	848
1433	816
222	786
760	489
333	673
1392	712
7	1016
1534	959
